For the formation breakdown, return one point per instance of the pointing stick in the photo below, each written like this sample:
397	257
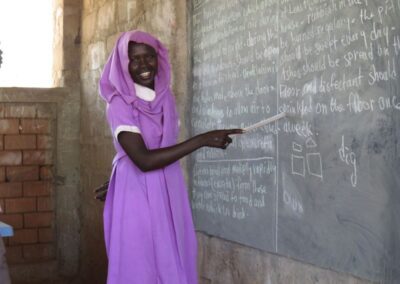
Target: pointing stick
264	122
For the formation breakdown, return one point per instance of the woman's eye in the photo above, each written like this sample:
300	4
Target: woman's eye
135	60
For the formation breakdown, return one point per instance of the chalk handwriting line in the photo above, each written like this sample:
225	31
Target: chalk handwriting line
235	160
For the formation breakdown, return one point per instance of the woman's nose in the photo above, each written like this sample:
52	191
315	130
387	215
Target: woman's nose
143	62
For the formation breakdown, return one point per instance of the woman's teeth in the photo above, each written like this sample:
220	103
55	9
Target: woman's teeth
145	75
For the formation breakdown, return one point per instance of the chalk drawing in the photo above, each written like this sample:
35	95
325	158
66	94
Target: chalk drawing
313	160
310	143
314	164
297	147
298	165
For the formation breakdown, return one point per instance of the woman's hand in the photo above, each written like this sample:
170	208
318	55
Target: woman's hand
101	191
219	138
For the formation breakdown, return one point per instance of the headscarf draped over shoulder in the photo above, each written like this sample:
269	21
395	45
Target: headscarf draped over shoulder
116	81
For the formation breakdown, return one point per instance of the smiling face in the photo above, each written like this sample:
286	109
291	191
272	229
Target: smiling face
142	64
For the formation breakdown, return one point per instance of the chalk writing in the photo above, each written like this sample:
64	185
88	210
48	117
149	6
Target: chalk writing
236	184
349	158
292	202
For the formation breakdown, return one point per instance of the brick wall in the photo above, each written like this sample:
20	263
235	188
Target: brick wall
27	139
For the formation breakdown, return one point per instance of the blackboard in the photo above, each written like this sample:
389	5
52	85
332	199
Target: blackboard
322	185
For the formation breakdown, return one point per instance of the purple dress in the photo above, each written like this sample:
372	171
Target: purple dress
148	226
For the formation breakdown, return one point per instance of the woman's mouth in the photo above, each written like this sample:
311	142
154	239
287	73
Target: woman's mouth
145	75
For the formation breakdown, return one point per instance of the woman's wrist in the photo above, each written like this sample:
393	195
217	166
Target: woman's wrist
199	141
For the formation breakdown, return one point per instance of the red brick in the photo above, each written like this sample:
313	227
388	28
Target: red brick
14	254
22	173
44	142
20	205
39	252
2	174
46	173
9	126
24	236
37	157
11	189
46	235
19	142
19	110
45	204
38	188
34	220
10	158
14	220
35	126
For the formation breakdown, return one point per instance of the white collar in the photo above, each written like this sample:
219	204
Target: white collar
145	93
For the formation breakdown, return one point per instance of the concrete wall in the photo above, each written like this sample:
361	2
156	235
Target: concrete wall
223	262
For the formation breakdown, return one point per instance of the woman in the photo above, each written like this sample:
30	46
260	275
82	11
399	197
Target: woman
147	220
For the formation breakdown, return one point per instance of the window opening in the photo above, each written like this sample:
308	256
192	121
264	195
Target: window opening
26	42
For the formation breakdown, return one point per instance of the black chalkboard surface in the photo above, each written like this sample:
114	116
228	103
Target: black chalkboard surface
323	184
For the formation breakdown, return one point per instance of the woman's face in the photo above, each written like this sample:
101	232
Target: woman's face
142	64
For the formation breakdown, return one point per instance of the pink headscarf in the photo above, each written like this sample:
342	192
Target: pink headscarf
116	80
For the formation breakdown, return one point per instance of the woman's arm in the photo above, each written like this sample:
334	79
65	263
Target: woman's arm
148	160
